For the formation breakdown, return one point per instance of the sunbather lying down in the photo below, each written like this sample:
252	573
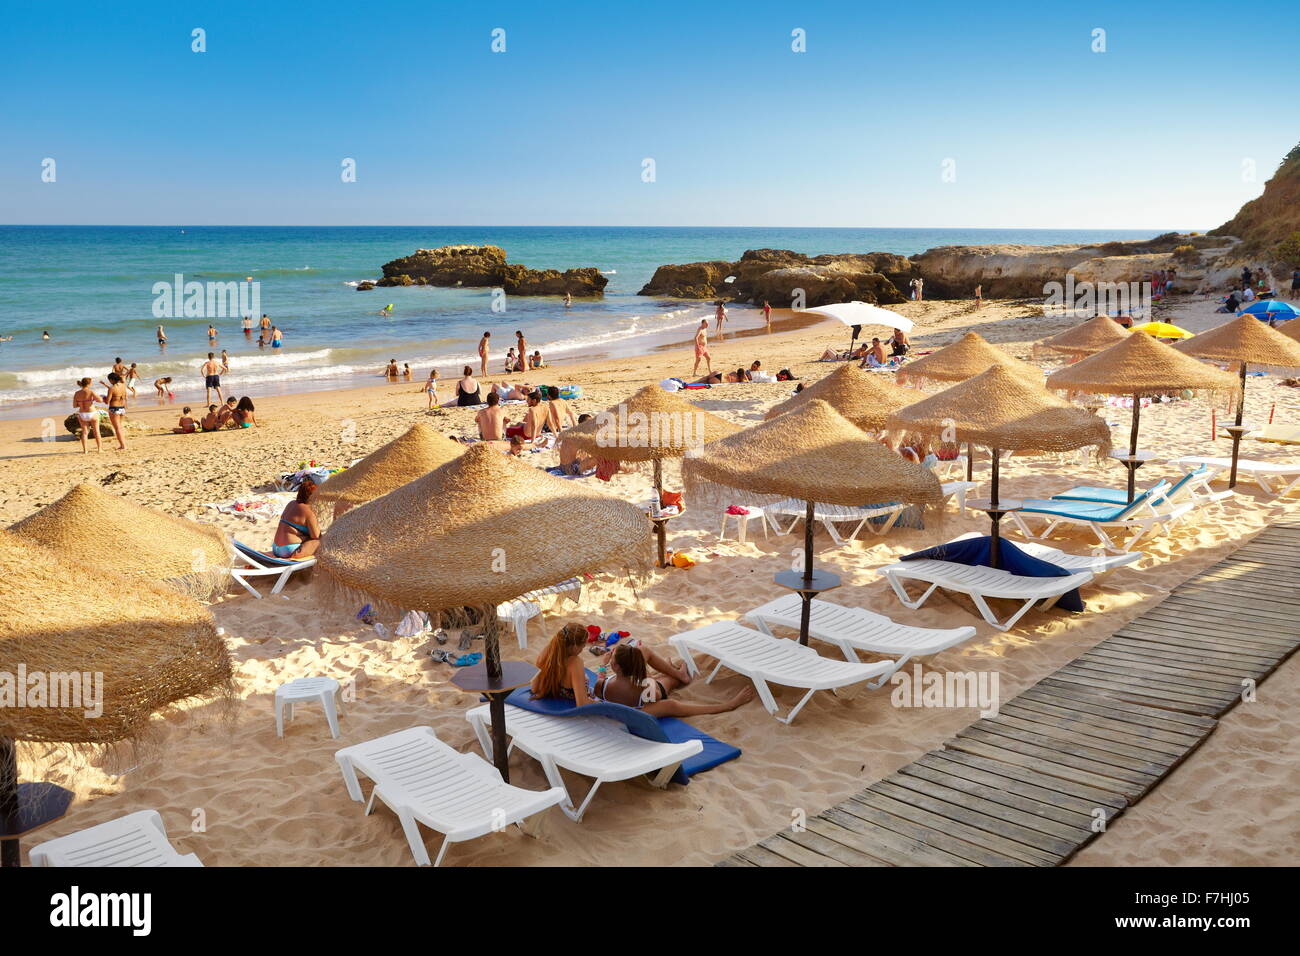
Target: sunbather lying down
636	676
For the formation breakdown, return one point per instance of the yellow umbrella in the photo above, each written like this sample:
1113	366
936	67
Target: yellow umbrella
1164	330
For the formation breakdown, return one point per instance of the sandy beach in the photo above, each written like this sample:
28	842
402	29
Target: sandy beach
272	801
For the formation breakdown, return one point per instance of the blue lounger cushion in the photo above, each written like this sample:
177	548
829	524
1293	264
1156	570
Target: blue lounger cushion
1119	496
977	552
668	730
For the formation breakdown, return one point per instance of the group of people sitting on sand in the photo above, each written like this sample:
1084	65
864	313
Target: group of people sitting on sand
539	419
232	413
878	354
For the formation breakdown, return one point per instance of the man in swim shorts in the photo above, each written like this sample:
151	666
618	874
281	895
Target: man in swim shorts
211	372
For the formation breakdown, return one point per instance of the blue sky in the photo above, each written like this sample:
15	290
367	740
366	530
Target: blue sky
1042	131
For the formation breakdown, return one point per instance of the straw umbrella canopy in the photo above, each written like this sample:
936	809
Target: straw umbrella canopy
653	424
966	358
1139	366
1099	332
1003	412
1246	341
1290	329
90	524
412	454
963	359
482	529
864	398
815	454
58	618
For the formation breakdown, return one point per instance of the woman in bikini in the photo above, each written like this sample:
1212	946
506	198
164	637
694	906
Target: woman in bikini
631	681
83	403
245	414
116	399
560	675
467	392
297	535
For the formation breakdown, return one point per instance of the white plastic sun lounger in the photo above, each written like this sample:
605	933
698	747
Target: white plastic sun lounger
527	606
853	629
137	839
830	515
980	584
771	660
1141	516
1277	478
592	746
423	780
1098	564
264	565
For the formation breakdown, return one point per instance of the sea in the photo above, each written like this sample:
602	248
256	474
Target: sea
99	293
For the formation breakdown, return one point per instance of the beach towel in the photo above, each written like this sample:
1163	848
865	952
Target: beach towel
974	552
667	730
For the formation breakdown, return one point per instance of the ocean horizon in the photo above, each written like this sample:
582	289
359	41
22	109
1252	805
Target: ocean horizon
92	289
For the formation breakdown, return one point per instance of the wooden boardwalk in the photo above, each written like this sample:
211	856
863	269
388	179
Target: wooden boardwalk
1025	788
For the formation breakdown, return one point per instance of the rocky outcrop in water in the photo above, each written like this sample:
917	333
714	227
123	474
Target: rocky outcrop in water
486	267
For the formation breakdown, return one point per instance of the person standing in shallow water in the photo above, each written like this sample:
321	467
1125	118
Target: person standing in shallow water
483	345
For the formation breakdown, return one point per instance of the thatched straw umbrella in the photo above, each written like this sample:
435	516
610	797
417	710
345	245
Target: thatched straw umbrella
1003	412
864	398
653	424
412	454
1290	329
963	359
1086	338
1247	341
482	529
815	454
91	525
1139	366
149	646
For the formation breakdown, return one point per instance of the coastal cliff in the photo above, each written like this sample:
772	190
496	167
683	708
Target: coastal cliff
1269	226
484	267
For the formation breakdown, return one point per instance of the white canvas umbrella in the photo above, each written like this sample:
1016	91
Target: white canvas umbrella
857	314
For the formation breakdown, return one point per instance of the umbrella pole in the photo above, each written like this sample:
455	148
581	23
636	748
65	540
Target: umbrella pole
970	461
661	527
995	515
496	702
1131	464
1236	432
10	853
805	613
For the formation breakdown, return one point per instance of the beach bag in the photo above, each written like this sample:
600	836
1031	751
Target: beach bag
669	499
570	391
683	560
412	623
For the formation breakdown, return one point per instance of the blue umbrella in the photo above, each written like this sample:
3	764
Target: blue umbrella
1266	309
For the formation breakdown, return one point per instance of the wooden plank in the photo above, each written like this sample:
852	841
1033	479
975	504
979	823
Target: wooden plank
1055	689
1008	851
820	849
1066	794
894	847
794	852
1159	740
1129	691
1131	784
1181	683
922	833
838	843
1168	663
1174	650
1224	636
1094	728
1234	630
994	803
758	856
1005	835
1106	761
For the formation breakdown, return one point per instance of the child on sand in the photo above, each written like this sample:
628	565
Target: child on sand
187	424
83	403
164	387
244	417
431	387
210	422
